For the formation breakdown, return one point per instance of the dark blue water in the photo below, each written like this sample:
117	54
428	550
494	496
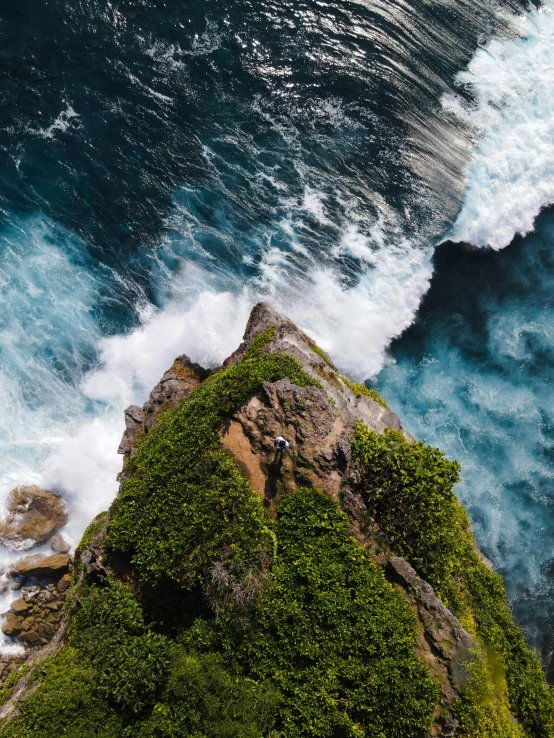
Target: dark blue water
164	165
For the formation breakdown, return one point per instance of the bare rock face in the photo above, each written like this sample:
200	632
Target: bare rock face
318	423
319	438
33	515
178	382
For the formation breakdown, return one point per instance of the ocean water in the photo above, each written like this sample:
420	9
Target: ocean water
165	165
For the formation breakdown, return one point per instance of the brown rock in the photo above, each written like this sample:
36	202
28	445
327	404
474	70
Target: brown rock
32	638
40	565
33	515
64	583
20	606
59	544
12	624
29	623
178	382
46	630
318	422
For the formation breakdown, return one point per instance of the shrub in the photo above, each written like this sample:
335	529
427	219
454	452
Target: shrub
334	637
408	488
408	491
65	703
203	699
130	660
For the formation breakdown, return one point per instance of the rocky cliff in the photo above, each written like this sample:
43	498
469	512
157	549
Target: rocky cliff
331	590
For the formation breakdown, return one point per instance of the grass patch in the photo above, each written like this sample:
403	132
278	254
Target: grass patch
361	389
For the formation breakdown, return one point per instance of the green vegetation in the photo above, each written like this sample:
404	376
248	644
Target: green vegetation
361	389
328	651
320	352
483	709
259	343
331	633
93	529
186	500
408	488
295	633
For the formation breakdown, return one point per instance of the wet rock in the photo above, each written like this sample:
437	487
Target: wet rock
59	545
41	565
33	515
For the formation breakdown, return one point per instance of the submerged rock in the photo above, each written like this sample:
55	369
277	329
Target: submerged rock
33	515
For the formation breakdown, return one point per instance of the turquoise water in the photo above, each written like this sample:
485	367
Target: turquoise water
474	376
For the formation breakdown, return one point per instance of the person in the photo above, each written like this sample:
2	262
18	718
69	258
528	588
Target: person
281	444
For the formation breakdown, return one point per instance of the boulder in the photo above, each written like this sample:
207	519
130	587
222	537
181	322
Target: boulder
12	624
59	544
20	606
33	515
41	565
64	583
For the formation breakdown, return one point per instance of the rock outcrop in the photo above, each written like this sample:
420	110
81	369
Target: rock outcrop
44	582
319	423
40	565
33	516
177	382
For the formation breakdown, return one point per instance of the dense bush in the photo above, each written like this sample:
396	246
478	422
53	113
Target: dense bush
409	492
327	652
408	488
330	632
65	703
203	699
129	659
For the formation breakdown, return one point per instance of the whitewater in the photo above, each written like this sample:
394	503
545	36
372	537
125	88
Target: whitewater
67	375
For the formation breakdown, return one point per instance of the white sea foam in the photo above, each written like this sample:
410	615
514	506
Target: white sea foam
511	176
61	124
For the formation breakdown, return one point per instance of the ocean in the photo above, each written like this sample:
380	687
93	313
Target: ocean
379	171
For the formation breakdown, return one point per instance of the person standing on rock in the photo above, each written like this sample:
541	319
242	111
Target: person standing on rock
280	444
